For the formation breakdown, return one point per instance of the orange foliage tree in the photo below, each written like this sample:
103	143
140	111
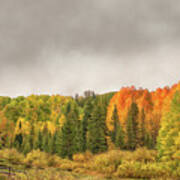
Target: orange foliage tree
152	104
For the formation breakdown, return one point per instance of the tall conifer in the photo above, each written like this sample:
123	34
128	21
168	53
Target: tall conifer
132	126
87	115
96	138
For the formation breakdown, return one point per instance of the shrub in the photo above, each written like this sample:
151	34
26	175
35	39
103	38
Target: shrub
54	161
69	165
79	157
82	157
107	162
36	158
142	170
11	156
144	155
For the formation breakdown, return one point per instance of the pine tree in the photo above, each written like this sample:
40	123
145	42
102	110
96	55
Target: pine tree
142	129
31	136
115	119
65	143
87	115
58	143
119	139
26	145
96	138
65	138
46	140
18	141
54	139
50	143
78	137
38	142
132	127
149	141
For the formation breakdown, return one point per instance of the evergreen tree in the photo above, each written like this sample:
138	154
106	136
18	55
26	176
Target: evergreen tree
119	139
78	137
65	143
149	141
18	141
31	136
96	138
87	115
142	129
54	139
65	139
132	127
38	142
115	119
58	143
46	140
26	145
50	143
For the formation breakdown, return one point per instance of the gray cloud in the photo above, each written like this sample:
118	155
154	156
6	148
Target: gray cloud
62	46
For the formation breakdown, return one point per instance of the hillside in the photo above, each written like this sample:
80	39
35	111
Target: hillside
126	129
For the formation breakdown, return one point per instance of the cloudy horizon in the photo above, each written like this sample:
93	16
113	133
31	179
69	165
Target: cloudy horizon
67	47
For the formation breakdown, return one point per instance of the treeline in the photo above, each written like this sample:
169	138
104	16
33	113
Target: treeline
126	120
55	124
138	131
134	134
134	115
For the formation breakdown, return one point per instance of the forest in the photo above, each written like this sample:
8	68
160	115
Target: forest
132	133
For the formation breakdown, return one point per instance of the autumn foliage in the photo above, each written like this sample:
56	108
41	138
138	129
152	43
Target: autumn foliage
153	104
133	133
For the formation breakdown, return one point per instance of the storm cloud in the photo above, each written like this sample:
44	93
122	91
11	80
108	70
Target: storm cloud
68	46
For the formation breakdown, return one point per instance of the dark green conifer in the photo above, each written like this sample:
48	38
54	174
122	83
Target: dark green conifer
115	119
87	115
132	127
78	137
26	145
38	142
119	139
54	139
65	138
149	141
96	138
142	129
45	140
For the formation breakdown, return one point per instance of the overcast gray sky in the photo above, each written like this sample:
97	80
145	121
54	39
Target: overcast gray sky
68	46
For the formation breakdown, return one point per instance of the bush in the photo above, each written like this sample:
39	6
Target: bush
79	157
11	156
82	157
39	159
142	170
54	161
107	162
67	164
144	155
